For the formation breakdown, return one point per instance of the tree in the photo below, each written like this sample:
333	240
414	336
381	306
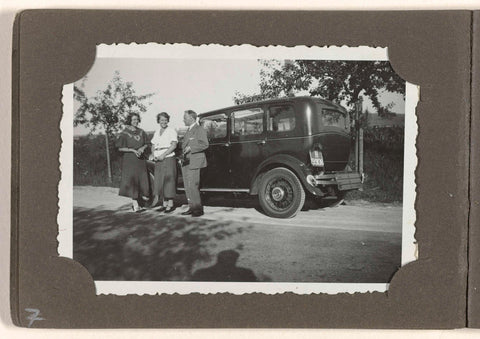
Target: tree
335	80
108	109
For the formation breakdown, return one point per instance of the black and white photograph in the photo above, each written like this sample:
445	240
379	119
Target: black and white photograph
238	169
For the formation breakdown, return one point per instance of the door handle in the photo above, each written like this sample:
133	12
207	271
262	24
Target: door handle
227	144
261	142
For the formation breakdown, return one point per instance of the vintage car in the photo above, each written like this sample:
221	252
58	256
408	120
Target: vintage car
280	150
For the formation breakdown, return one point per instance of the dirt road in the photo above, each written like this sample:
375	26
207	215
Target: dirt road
358	242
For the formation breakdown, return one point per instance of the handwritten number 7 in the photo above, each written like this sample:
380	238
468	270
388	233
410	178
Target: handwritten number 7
34	316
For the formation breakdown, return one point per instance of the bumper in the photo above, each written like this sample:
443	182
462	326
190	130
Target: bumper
345	181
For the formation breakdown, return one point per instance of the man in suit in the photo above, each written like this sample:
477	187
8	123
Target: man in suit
194	144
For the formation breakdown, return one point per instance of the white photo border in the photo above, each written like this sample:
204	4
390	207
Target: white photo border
214	51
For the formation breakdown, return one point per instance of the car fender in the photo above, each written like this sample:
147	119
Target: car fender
283	160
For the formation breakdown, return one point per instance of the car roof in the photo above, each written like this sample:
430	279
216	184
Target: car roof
278	100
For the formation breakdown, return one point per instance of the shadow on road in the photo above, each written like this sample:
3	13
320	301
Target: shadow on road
225	269
351	244
119	245
232	200
223	199
244	200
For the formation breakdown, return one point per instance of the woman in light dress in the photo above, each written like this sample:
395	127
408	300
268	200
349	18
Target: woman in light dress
164	142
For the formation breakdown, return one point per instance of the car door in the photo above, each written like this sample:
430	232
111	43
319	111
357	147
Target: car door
283	131
217	173
247	140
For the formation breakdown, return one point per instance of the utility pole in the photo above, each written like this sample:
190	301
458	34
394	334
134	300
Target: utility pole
358	136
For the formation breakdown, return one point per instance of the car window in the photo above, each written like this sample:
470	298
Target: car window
247	122
281	118
333	118
215	125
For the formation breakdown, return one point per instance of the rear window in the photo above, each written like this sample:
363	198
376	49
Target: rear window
333	118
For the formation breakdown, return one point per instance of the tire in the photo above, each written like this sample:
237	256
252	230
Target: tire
150	183
281	194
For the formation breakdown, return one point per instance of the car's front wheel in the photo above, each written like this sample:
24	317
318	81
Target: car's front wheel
281	194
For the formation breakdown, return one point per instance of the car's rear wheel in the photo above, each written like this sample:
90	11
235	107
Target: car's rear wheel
281	194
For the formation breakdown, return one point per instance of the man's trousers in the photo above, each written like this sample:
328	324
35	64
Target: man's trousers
191	182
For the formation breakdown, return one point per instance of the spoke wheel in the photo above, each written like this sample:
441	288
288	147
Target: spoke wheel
281	194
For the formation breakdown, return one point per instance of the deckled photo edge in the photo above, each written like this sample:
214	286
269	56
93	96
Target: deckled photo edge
174	51
65	185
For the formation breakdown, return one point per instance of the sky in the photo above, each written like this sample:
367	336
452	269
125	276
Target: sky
180	84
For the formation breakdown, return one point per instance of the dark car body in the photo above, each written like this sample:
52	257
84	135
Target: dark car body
289	142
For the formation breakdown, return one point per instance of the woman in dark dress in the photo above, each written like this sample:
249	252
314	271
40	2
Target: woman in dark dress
164	142
133	141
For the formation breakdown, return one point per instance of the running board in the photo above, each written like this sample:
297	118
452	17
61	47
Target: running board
242	190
